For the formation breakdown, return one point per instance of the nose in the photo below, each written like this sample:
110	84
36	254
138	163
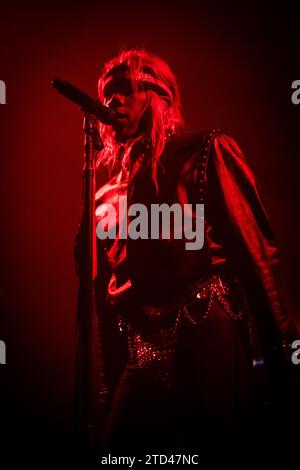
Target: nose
116	100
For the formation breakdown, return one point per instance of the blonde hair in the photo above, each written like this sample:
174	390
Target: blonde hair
165	107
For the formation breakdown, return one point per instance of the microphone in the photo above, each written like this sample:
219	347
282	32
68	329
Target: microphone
87	104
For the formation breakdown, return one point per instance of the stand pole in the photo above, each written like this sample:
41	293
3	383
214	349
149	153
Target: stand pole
86	396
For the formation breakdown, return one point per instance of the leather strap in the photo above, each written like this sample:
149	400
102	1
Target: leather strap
204	153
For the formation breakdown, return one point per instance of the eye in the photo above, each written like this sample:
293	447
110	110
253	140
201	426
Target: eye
122	87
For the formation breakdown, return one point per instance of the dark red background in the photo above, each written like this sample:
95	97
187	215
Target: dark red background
235	67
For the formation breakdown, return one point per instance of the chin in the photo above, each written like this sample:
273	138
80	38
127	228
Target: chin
123	136
120	137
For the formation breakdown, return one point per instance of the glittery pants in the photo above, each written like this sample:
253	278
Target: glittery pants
210	402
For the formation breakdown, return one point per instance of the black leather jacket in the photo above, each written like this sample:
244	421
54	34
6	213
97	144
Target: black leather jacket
211	169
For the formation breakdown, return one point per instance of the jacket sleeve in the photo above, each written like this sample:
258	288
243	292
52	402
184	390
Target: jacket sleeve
236	211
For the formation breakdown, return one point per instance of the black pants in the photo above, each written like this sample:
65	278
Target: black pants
210	404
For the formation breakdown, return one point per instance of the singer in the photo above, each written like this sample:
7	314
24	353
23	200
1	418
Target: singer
180	317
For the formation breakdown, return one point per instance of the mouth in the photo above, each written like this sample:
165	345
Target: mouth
120	116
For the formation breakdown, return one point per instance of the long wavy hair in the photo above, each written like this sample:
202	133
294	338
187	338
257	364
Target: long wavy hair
166	115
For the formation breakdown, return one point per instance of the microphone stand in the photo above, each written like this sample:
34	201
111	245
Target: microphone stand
89	352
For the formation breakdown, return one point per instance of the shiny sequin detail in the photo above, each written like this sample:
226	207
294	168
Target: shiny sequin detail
155	352
225	290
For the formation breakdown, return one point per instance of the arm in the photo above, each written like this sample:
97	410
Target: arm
235	210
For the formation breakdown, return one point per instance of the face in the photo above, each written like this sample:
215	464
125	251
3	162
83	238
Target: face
130	106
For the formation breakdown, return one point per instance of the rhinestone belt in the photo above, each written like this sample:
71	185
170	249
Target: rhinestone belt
154	351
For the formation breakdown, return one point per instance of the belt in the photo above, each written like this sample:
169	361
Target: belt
153	347
223	288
